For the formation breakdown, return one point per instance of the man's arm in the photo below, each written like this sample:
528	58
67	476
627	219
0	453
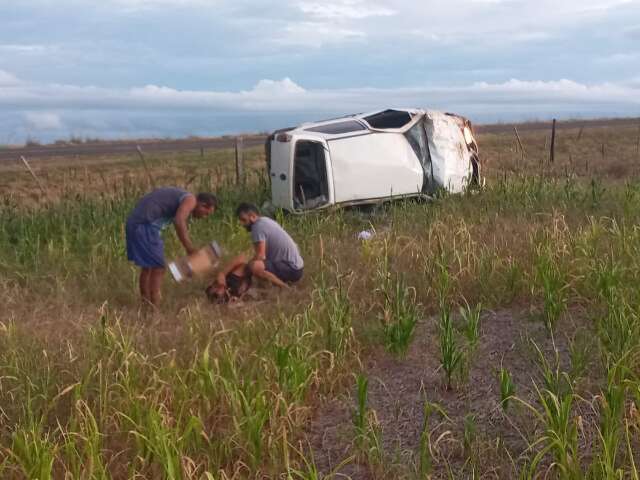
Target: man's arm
236	262
182	215
260	251
259	266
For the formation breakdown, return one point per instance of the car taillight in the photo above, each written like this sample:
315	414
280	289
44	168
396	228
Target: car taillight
283	137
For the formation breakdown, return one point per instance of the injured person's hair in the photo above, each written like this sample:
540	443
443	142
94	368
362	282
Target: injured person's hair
236	286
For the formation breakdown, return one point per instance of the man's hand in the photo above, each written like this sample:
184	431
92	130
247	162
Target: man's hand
221	279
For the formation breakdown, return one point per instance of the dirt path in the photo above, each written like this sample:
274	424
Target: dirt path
398	389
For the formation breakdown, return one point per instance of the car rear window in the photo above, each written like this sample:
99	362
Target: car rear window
389	119
338	127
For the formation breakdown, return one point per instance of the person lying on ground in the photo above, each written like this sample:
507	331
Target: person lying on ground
231	283
152	214
277	257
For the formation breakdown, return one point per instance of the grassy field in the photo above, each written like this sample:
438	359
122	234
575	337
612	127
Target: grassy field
489	335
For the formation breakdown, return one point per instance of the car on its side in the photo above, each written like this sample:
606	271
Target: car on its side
369	158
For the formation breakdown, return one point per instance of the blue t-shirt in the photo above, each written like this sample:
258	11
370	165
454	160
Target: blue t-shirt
158	208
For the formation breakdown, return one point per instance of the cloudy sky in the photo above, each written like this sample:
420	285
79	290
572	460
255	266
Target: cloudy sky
171	68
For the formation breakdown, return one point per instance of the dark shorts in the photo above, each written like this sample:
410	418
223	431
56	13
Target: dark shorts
145	247
283	271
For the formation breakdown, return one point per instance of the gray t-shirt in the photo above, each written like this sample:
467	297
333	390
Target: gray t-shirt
280	246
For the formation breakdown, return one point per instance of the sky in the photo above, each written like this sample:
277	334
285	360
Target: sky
174	68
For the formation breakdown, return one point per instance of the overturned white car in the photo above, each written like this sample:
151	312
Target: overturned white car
368	158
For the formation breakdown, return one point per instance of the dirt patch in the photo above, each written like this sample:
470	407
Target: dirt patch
398	389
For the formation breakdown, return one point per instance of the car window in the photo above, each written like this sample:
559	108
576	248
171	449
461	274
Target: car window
338	127
389	119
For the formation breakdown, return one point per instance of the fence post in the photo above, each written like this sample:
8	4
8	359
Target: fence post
146	167
239	161
552	152
33	174
522	152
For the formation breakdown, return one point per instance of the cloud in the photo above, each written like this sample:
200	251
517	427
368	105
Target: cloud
7	79
344	10
51	111
620	58
135	5
317	34
286	95
43	120
23	48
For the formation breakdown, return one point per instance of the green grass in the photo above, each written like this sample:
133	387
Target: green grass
89	388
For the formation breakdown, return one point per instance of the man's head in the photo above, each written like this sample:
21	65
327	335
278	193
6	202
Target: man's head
236	286
217	293
206	204
247	214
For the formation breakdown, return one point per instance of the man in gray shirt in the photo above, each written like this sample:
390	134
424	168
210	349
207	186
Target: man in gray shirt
277	258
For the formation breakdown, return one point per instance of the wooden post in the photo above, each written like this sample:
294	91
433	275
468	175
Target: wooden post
33	174
552	152
201	151
239	162
580	133
144	164
638	144
522	152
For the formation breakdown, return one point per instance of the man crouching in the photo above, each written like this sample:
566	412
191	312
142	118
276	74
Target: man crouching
276	256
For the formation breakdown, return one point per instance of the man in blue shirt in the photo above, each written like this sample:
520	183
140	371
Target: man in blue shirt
152	214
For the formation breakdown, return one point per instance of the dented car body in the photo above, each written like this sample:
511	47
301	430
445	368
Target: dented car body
369	158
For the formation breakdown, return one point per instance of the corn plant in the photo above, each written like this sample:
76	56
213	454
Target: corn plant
612	403
507	387
469	436
336	306
451	356
579	354
367	426
619	330
471	323
560	435
560	430
294	370
399	315
360	416
553	287
424	463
